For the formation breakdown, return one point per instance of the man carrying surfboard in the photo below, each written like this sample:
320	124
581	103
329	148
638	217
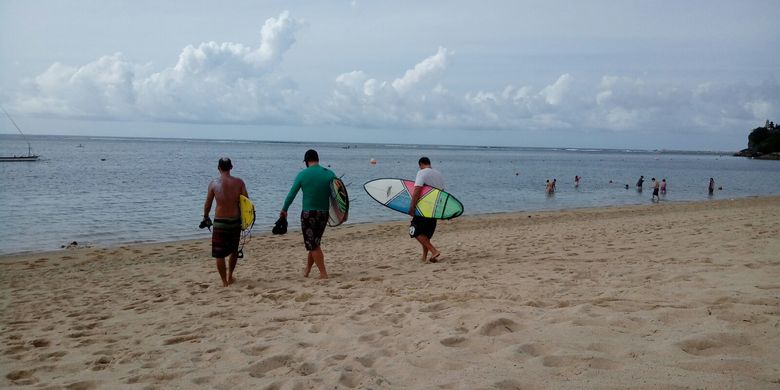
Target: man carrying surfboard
422	228
315	182
226	233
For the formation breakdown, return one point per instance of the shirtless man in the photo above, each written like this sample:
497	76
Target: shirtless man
655	184
226	233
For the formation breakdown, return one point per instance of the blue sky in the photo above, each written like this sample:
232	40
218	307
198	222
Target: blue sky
634	74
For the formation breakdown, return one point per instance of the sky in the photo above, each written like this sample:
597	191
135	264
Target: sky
684	75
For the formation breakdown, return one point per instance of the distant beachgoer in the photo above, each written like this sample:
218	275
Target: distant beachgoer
549	187
626	186
554	182
315	182
226	233
640	182
655	185
422	228
711	188
576	181
663	186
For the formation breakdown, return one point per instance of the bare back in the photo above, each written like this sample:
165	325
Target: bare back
226	190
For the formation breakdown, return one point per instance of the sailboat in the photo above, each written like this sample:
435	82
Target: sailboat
29	156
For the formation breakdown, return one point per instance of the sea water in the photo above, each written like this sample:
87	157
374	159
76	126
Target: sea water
107	191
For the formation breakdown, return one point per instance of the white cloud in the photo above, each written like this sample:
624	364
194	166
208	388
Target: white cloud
211	82
238	83
426	68
555	93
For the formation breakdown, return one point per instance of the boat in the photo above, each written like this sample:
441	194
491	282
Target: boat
30	156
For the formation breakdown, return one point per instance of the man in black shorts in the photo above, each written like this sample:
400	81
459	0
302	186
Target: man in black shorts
315	182
423	228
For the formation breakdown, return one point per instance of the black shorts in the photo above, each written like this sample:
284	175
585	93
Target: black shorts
422	226
313	224
655	191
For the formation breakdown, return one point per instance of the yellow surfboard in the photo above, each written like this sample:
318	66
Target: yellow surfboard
247	212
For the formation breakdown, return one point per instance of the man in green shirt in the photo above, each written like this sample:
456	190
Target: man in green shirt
315	182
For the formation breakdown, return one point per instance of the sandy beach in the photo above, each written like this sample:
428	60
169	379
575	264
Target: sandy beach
662	296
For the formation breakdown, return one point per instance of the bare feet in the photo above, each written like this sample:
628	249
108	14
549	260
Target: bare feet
435	257
231	280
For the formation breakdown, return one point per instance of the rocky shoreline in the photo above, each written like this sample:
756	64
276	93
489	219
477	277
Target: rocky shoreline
758	155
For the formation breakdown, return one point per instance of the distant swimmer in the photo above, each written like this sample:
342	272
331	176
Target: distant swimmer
711	187
555	181
226	233
663	186
640	182
656	185
549	187
315	182
576	181
422	228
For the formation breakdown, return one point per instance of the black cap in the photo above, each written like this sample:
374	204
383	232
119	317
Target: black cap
225	164
311	156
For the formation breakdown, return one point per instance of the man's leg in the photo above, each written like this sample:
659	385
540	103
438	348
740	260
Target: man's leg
319	258
424	252
222	271
232	267
426	243
309	263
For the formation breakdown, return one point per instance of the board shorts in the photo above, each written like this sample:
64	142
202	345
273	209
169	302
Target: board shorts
655	191
313	223
225	236
422	226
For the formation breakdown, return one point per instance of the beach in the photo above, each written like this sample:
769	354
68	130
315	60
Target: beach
661	296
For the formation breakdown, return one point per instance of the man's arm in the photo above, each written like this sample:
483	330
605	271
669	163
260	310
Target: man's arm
291	196
243	189
209	201
415	199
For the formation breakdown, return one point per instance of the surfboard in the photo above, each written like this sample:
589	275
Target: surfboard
247	212
396	194
338	211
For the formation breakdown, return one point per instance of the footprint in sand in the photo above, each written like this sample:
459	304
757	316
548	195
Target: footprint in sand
83	385
256	350
22	377
258	370
454	341
509	384
433	308
535	350
713	344
498	327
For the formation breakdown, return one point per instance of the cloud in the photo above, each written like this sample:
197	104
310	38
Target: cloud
554	94
426	68
236	83
210	82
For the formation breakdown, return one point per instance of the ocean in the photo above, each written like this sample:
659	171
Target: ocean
108	191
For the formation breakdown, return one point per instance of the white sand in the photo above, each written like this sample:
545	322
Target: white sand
662	296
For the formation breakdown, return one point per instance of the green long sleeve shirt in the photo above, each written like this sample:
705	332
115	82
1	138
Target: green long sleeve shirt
315	183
